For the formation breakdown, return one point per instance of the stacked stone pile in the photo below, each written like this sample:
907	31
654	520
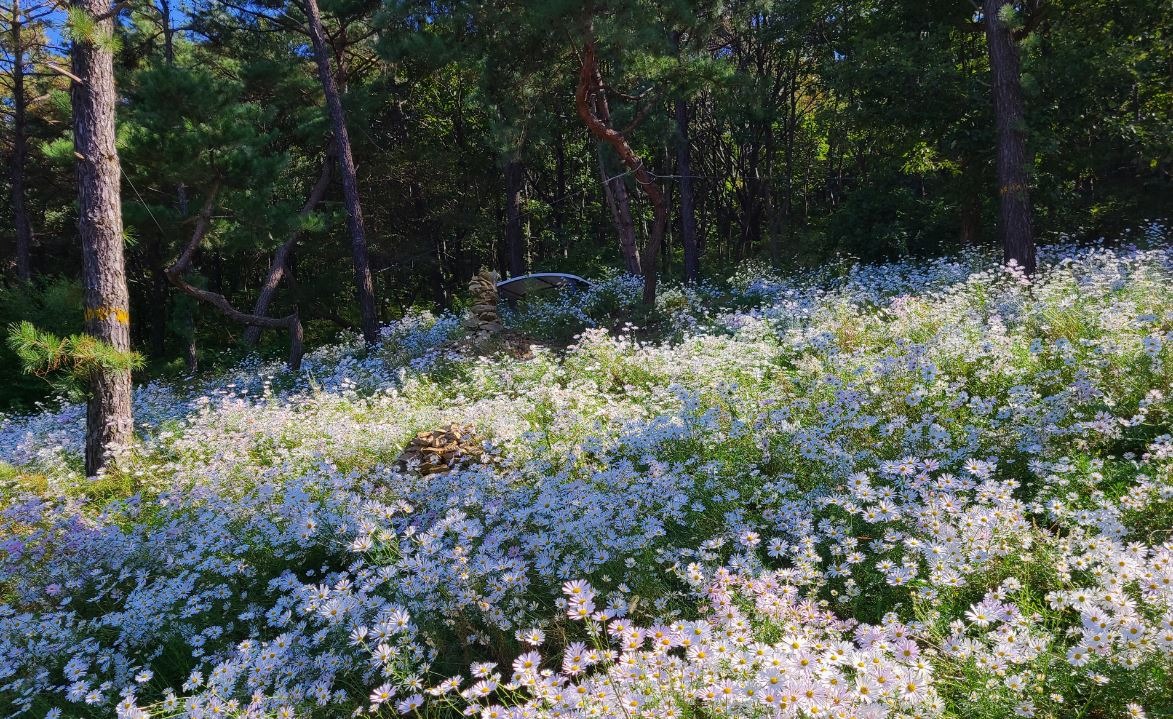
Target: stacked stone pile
441	450
483	318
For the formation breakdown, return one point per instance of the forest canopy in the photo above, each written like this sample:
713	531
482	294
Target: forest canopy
664	137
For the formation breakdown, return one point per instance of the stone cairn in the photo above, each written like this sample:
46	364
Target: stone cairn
442	450
484	320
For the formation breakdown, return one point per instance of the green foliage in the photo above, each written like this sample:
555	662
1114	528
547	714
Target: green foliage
818	130
80	26
73	359
53	304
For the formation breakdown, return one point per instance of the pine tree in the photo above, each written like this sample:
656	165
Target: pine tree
24	44
109	422
364	286
1014	209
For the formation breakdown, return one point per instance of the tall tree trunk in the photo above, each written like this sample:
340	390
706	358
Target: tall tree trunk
791	134
751	200
277	270
20	218
436	271
502	252
109	424
191	350
590	82
687	195
168	31
358	238
971	220
514	242
169	57
461	267
187	319
559	204
1014	209
619	204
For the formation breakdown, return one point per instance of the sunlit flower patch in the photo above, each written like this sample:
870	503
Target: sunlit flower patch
911	490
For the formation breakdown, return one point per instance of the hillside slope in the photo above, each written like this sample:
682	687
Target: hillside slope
916	489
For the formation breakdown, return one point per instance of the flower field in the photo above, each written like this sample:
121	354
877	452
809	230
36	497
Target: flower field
919	489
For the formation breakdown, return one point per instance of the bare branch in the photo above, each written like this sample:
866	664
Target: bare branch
62	71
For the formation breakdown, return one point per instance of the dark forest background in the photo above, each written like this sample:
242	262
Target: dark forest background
799	133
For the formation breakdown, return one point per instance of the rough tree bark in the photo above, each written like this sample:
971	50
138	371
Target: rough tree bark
157	341
514	240
1014	208
280	263
692	265
168	31
20	218
191	355
589	82
751	198
109	423
183	263
791	135
364	285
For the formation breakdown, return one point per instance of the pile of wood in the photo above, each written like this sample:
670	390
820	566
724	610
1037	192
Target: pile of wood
441	450
483	318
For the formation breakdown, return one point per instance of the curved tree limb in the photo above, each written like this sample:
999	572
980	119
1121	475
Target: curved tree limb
590	83
183	264
614	189
280	264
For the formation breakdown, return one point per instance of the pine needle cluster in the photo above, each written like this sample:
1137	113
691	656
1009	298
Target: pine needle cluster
70	362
